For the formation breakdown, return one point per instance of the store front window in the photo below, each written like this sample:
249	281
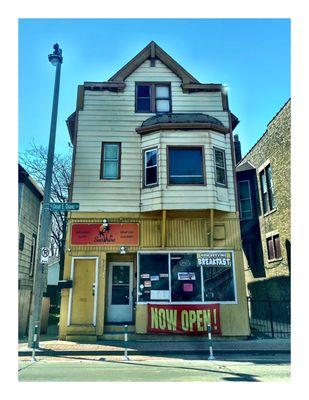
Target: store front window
186	277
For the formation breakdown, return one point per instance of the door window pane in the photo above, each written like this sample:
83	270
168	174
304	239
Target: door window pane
185	278
120	294
121	274
186	165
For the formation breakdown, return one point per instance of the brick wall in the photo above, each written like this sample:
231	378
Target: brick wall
274	146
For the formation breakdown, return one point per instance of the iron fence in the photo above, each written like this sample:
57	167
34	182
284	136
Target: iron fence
270	318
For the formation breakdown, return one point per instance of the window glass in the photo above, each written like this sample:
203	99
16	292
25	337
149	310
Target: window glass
144	105
244	200
143	90
277	246
21	241
111	161
270	248
153	277
185	278
267	189
218	283
151	158
162	92
151	169
220	167
110	169
185	165
162	105
153	98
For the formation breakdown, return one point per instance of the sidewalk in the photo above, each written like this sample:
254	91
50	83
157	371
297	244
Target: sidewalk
50	347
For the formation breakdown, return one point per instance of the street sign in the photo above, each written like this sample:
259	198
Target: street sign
44	255
63	206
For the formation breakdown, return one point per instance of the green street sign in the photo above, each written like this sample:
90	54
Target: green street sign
63	206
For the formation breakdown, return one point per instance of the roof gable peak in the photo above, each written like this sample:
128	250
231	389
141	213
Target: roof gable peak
151	52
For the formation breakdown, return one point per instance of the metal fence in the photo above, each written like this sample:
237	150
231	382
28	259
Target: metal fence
270	318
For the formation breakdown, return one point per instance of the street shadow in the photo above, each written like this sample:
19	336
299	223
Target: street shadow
235	376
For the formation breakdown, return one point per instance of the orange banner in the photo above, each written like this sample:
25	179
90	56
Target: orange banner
97	235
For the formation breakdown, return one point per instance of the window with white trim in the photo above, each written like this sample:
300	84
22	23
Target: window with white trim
220	167
151	167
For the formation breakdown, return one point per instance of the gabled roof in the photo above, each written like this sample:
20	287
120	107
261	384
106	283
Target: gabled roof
24	177
245	166
152	51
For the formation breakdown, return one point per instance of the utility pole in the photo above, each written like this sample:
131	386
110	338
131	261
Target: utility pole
40	273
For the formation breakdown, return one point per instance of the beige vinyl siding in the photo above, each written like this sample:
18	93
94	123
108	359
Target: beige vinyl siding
109	116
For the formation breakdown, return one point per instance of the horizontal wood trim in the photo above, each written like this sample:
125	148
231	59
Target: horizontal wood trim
181	126
205	87
113	86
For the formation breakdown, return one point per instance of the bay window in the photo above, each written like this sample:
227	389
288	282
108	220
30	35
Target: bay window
150	167
220	167
186	165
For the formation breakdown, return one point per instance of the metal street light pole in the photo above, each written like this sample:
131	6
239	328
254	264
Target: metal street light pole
40	274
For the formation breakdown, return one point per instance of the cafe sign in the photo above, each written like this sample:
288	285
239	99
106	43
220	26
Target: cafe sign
184	319
215	258
100	235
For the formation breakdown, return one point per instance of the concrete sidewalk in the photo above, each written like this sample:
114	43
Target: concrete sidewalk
149	347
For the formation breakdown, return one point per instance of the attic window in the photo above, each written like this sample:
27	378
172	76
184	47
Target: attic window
153	98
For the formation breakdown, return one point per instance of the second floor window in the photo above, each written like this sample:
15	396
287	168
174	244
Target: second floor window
220	167
186	165
153	98
267	189
244	200
150	167
110	160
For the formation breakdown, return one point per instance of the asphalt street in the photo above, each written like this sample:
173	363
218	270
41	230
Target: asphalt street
275	368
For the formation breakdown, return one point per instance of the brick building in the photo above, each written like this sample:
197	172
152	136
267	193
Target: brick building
263	177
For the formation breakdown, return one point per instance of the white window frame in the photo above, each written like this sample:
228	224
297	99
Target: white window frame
169	252
219	166
249	198
153	166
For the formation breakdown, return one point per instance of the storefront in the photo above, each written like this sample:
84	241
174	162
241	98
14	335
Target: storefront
114	278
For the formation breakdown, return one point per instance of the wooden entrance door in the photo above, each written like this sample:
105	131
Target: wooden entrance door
83	292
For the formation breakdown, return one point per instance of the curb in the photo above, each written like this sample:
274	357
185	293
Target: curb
57	353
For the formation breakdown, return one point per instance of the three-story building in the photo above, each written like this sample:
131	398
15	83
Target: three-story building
156	241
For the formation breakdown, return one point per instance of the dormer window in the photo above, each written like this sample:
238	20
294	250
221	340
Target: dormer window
153	98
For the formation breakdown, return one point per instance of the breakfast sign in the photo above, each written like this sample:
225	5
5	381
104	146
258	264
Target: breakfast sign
99	235
184	319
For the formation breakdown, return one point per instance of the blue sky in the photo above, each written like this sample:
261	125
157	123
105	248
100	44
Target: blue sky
251	56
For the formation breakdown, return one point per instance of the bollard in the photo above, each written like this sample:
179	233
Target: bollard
126	343
211	354
34	343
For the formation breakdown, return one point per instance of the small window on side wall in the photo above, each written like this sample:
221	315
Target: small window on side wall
150	167
220	167
21	241
273	247
267	189
110	160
